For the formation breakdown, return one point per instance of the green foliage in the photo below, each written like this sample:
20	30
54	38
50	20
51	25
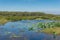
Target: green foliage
31	28
48	24
41	25
57	24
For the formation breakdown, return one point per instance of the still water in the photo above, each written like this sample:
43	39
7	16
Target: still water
19	30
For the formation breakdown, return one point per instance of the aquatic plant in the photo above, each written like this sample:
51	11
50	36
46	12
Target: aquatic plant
14	35
48	24
7	32
31	28
57	24
42	25
54	35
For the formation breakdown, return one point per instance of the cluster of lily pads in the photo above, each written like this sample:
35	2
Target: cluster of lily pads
48	24
43	25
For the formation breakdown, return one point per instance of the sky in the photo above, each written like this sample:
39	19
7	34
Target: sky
48	6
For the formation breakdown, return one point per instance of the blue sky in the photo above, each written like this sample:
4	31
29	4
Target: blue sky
49	6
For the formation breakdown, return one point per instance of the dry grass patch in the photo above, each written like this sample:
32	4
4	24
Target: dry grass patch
3	20
51	30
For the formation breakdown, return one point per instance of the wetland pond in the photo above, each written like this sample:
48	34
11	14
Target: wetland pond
19	30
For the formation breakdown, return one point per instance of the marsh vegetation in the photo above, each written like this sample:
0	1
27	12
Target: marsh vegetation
17	16
17	24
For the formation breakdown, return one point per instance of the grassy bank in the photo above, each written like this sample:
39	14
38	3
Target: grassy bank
3	21
51	30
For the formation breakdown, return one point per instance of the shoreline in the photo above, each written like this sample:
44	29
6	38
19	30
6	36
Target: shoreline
51	30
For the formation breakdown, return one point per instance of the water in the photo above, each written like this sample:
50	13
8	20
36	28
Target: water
20	30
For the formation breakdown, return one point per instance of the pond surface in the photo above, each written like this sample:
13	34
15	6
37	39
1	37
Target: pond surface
19	30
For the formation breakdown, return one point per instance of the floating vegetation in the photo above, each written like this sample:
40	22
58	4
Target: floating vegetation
31	28
54	35
14	35
47	27
7	32
48	24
